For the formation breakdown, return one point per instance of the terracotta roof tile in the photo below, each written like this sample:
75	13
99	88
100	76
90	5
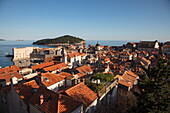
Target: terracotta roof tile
49	79
79	74
42	65
55	67
25	90
9	75
6	76
131	74
54	102
13	68
145	60
127	84
83	54
82	93
84	69
64	74
128	78
70	55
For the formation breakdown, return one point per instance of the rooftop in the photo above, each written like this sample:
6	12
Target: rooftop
54	102
82	93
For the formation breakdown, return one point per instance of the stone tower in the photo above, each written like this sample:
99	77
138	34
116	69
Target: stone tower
64	55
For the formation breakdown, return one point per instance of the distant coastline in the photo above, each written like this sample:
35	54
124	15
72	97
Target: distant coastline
2	40
63	40
19	40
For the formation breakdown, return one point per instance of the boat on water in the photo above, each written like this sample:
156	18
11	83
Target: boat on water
9	55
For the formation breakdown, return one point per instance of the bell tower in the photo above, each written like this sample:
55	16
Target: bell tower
64	55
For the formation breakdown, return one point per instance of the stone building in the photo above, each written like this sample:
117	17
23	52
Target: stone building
22	53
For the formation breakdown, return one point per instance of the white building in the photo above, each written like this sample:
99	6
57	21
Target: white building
73	59
52	81
22	53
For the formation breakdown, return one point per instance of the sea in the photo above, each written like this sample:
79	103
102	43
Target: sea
7	46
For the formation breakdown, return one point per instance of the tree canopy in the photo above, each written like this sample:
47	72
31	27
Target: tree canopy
104	77
58	40
154	95
95	87
2	40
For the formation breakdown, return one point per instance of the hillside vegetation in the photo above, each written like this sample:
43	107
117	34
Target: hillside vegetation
2	40
59	40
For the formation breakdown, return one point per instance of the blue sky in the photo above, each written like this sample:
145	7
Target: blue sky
87	19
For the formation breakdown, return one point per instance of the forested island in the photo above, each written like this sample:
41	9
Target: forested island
2	40
63	40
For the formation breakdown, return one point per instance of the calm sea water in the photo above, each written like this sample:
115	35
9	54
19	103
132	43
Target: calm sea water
6	48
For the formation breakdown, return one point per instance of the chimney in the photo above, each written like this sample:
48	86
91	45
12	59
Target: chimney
41	99
41	78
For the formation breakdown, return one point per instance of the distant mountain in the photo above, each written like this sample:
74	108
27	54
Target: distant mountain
2	40
63	40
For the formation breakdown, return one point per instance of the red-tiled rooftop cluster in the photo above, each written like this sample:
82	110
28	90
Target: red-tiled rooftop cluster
55	67
53	102
82	93
42	65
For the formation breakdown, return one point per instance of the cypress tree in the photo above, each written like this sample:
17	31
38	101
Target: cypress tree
154	95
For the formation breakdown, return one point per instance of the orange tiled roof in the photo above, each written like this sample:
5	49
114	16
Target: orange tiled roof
145	60
84	69
54	102
42	65
79	74
8	76
14	67
83	54
9	69
55	67
17	75
128	78
64	74
25	90
127	84
131	74
52	78
118	76
82	93
70	55
132	43
107	59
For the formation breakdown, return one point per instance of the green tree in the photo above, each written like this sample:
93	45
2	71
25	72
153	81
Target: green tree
104	77
62	39
154	91
95	87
